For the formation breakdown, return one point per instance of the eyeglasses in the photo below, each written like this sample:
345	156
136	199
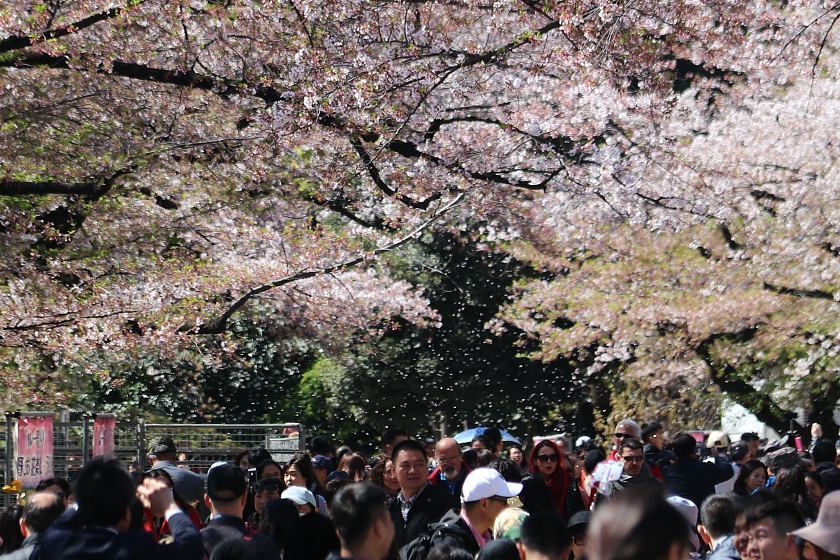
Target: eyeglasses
547	458
579	540
633	459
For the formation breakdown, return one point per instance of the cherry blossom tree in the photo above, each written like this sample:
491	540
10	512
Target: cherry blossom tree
164	163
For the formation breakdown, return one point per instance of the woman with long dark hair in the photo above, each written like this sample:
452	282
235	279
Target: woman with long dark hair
790	485
551	485
751	477
299	472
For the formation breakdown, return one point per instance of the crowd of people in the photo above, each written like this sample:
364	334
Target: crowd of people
640	496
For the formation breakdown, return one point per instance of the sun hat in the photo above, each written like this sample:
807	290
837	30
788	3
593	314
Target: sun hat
485	483
825	532
300	495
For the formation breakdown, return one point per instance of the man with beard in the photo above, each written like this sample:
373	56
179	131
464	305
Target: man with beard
635	472
451	470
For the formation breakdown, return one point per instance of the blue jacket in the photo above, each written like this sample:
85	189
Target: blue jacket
725	550
67	539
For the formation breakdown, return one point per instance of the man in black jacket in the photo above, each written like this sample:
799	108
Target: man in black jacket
99	528
689	477
418	503
484	497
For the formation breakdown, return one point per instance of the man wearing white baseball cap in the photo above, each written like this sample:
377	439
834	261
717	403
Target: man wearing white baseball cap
484	496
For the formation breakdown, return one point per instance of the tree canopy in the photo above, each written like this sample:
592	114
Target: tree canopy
668	168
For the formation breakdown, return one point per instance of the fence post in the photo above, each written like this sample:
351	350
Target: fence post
141	445
85	440
9	449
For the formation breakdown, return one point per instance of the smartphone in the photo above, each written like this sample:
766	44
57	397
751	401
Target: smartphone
252	477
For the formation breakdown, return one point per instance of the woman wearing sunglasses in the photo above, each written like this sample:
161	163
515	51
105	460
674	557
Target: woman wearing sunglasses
551	485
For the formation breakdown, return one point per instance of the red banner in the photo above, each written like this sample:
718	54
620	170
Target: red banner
103	435
34	449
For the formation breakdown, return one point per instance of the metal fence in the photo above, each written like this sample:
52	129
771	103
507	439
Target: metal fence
198	445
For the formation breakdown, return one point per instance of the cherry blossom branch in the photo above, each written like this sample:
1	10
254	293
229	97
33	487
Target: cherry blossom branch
383	186
218	325
17	42
55	323
784	290
34	188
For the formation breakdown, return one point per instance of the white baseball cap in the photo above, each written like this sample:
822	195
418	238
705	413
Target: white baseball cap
485	483
689	511
300	495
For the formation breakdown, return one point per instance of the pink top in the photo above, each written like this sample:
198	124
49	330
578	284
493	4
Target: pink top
479	538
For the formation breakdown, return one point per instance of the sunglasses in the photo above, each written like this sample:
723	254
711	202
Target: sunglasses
621	436
547	458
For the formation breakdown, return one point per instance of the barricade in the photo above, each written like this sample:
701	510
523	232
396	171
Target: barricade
198	445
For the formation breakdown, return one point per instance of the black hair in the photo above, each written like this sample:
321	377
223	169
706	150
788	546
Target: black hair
816	478
592	459
629	443
790	485
303	464
320	446
485	457
545	533
104	491
278	520
241	454
60	482
484	442
332	488
388	436
684	445
717	514
650	428
738	451
407	445
449	552
38	518
258	455
824	452
261	467
636	525
493	436
748	437
10	535
747	469
354	510
470	457
784	514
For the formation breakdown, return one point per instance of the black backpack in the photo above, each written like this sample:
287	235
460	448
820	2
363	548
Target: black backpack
419	548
